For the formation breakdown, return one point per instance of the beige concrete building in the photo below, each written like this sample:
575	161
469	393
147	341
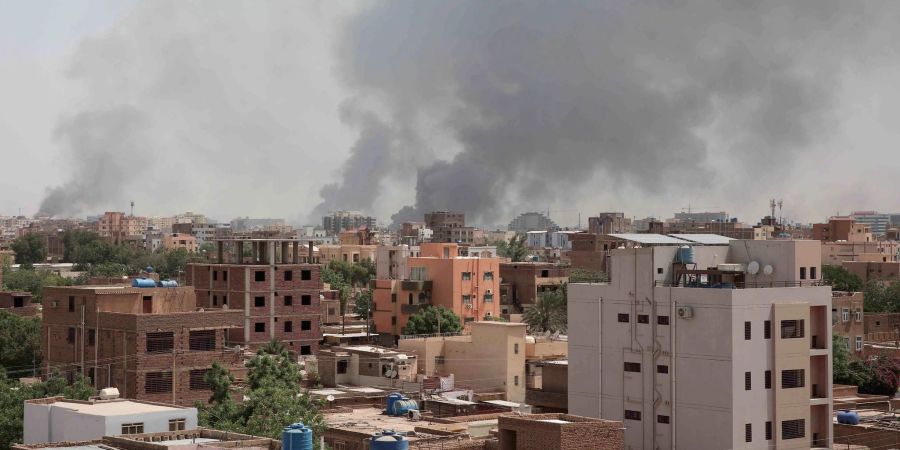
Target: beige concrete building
726	346
836	253
175	241
350	253
491	358
848	321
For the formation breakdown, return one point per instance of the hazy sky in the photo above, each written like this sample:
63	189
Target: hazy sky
289	109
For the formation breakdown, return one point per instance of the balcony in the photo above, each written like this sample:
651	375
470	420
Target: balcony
410	309
741	285
410	285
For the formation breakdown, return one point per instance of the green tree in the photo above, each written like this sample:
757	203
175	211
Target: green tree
587	276
881	297
548	313
363	303
33	281
20	343
841	279
273	347
13	395
516	249
30	250
431	320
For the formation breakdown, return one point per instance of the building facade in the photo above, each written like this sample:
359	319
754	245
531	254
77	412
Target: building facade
521	284
609	222
706	353
339	221
848	320
532	221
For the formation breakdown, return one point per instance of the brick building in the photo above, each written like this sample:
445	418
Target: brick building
118	227
151	343
559	432
522	283
609	222
18	303
449	226
884	271
277	295
847	320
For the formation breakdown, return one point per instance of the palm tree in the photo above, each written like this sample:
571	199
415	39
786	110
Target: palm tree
548	313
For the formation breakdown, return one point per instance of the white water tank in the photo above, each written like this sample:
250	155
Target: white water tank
109	393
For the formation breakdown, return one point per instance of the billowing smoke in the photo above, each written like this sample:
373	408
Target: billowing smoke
541	99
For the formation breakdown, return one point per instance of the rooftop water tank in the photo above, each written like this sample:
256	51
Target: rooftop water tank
685	254
109	393
402	406
143	283
168	283
390	402
388	440
296	437
848	417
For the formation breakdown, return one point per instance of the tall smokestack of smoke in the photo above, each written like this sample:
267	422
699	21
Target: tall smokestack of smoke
541	100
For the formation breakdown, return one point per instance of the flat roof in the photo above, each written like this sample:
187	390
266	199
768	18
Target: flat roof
179	442
554	421
642	238
79	447
116	408
706	239
503	403
372	420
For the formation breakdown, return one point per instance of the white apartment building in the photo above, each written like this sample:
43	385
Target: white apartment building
711	347
56	419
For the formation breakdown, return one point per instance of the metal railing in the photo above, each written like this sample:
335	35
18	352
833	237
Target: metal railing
741	285
423	336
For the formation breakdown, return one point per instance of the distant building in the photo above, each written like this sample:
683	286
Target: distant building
179	241
841	229
366	365
609	222
449	226
836	253
536	239
720	216
734	230
276	294
532	221
878	223
848	320
248	224
522	283
391	261
350	253
57	419
118	227
339	221
884	271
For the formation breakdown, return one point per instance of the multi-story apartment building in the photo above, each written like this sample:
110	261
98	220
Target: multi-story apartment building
706	347
522	283
848	321
609	222
449	226
151	343
532	221
118	227
391	261
350	253
467	285
339	221
837	253
277	295
841	229
175	241
878	223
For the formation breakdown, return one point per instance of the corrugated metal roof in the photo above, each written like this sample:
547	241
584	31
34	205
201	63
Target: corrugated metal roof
706	239
642	238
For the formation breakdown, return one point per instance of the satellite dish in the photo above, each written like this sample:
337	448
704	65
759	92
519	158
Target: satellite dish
753	268
330	398
768	269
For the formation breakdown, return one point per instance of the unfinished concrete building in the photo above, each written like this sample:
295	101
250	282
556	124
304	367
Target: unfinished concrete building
265	280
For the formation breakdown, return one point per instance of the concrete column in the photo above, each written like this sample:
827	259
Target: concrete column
254	245
240	252
296	246
220	251
270	253
284	252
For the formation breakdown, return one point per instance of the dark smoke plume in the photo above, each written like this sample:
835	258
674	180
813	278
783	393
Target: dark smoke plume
541	97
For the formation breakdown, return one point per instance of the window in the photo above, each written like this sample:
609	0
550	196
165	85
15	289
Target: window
632	367
160	342
202	340
516	380
466	276
332	312
260	275
306	300
305	325
176	424
662	320
846	342
305	350
224	299
488	276
393	320
662	369
768	379
198	380
845	314
794	378
791	329
259	302
489	298
793	429
812	273
224	275
516	348
92	337
70	337
659	270
438	360
418	274
858	315
767	329
467	299
748	381
545	273
768	431
288	326
288	300
158	382
306	275
803	273
632	415
859	343
393	298
747	331
662	419
71	303
748	432
215	275
288	275
643	318
133	428
623	318
342	365
259	327
215	300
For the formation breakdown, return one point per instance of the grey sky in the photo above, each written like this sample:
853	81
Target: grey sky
244	108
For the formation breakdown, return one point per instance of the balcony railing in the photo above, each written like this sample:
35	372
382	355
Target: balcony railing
742	285
411	285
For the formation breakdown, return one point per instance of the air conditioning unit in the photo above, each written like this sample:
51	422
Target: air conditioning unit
685	312
54	304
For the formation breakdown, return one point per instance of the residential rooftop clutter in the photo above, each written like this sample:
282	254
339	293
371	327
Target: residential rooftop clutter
367	365
706	346
189	439
152	343
276	295
56	419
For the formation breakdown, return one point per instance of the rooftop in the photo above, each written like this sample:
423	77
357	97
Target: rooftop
372	420
117	407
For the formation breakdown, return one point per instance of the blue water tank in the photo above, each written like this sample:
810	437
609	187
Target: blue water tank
388	440
390	402
168	283
296	437
143	283
685	255
148	269
402	406
848	417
